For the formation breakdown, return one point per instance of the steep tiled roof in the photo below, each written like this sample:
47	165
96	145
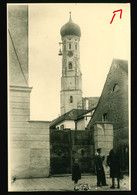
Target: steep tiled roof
122	63
105	102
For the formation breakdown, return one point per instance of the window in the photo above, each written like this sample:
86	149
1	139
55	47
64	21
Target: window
71	99
69	45
62	127
115	88
70	65
76	47
104	117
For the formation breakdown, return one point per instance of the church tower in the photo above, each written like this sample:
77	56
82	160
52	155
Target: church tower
71	80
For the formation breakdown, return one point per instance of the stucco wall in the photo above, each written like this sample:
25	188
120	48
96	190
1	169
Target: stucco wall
65	100
29	155
84	121
28	141
70	124
18	44
81	124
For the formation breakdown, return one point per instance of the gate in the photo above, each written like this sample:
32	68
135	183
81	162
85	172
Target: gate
60	152
66	145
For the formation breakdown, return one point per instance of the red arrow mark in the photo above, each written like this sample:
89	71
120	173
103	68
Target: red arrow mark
120	10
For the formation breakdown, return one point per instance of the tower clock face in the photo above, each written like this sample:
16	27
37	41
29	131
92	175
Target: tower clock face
70	53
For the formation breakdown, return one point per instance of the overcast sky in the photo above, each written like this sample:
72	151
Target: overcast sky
100	43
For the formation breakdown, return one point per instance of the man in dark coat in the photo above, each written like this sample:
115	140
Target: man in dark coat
113	162
76	173
101	180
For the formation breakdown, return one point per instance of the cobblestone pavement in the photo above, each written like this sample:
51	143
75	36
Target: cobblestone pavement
64	183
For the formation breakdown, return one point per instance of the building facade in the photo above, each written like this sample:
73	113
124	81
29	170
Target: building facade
28	141
113	107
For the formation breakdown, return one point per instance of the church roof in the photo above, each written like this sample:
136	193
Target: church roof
71	115
106	98
122	63
70	28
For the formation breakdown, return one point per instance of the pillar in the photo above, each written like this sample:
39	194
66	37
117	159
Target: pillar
103	138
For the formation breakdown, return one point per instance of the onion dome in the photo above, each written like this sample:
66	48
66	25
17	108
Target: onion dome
70	28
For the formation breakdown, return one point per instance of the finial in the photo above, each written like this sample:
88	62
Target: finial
70	20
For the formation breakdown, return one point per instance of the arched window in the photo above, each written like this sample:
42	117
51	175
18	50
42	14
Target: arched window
70	65
71	99
62	127
69	45
115	87
76	47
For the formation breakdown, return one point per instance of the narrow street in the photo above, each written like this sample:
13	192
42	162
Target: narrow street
64	183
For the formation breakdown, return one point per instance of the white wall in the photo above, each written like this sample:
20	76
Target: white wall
68	124
81	124
29	147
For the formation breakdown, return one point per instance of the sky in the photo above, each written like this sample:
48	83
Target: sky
100	43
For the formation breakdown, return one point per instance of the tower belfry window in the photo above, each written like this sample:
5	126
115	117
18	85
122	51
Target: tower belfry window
69	45
70	65
71	99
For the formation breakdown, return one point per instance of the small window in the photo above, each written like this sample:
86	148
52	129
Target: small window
62	127
70	65
115	88
71	99
76	47
69	45
64	47
104	117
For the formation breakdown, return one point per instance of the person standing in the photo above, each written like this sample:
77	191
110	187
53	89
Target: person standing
113	162
76	173
101	179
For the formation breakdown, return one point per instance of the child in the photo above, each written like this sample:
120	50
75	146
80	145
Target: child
76	173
